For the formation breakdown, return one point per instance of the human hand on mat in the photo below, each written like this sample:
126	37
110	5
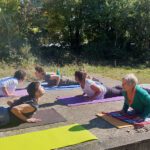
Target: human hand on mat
122	112
33	120
89	98
9	103
80	95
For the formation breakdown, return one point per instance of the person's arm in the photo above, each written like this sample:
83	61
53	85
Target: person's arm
83	94
55	77
11	102
20	110
96	91
145	99
6	93
6	84
125	107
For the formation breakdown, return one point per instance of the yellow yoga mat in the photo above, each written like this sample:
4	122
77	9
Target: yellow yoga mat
115	122
47	139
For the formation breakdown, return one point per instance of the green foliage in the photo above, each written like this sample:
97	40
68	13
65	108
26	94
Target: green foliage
72	30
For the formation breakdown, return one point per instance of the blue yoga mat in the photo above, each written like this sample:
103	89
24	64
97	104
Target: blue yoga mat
67	87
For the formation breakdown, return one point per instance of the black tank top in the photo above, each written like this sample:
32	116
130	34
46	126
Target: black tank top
23	100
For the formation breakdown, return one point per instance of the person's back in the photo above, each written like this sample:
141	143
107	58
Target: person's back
87	88
9	84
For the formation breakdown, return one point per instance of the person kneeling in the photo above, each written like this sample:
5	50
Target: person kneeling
21	110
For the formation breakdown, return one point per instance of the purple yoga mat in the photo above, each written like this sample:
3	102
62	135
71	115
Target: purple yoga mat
18	93
80	100
22	92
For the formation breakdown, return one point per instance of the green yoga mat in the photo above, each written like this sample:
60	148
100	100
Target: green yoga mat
47	139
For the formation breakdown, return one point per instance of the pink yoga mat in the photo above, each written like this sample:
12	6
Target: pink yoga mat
22	92
80	100
19	93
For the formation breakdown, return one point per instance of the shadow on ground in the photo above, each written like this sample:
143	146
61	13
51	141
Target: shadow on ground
94	123
50	104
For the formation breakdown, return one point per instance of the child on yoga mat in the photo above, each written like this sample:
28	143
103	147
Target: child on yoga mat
9	84
21	110
96	90
135	97
52	79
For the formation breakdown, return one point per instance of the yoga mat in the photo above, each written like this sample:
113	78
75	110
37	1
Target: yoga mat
48	116
80	100
48	139
115	122
129	117
21	92
67	87
18	93
146	86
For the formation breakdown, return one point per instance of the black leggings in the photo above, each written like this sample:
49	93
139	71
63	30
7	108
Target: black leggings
117	91
113	92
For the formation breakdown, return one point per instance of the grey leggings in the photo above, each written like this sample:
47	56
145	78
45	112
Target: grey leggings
63	82
113	92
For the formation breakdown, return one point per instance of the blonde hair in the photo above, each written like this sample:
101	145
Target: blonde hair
131	79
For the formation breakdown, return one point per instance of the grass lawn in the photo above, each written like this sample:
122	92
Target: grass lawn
143	74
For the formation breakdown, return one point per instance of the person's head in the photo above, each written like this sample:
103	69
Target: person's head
80	76
20	75
39	72
129	82
35	90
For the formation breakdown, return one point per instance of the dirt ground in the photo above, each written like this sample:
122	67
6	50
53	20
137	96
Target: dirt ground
108	135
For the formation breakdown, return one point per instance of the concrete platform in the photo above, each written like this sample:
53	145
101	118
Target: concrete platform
109	136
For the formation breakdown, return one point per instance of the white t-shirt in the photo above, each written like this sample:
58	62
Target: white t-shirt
87	89
10	83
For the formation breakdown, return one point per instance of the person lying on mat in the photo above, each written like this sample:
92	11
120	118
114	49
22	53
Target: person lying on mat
135	97
95	90
8	85
21	110
53	79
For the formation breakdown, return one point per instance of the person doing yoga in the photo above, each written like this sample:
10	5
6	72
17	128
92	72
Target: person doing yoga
135	97
96	90
8	84
21	110
52	79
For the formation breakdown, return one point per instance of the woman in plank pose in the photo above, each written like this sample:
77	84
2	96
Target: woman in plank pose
52	79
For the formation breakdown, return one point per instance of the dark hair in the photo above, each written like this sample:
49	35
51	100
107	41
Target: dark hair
20	75
40	70
32	88
80	75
